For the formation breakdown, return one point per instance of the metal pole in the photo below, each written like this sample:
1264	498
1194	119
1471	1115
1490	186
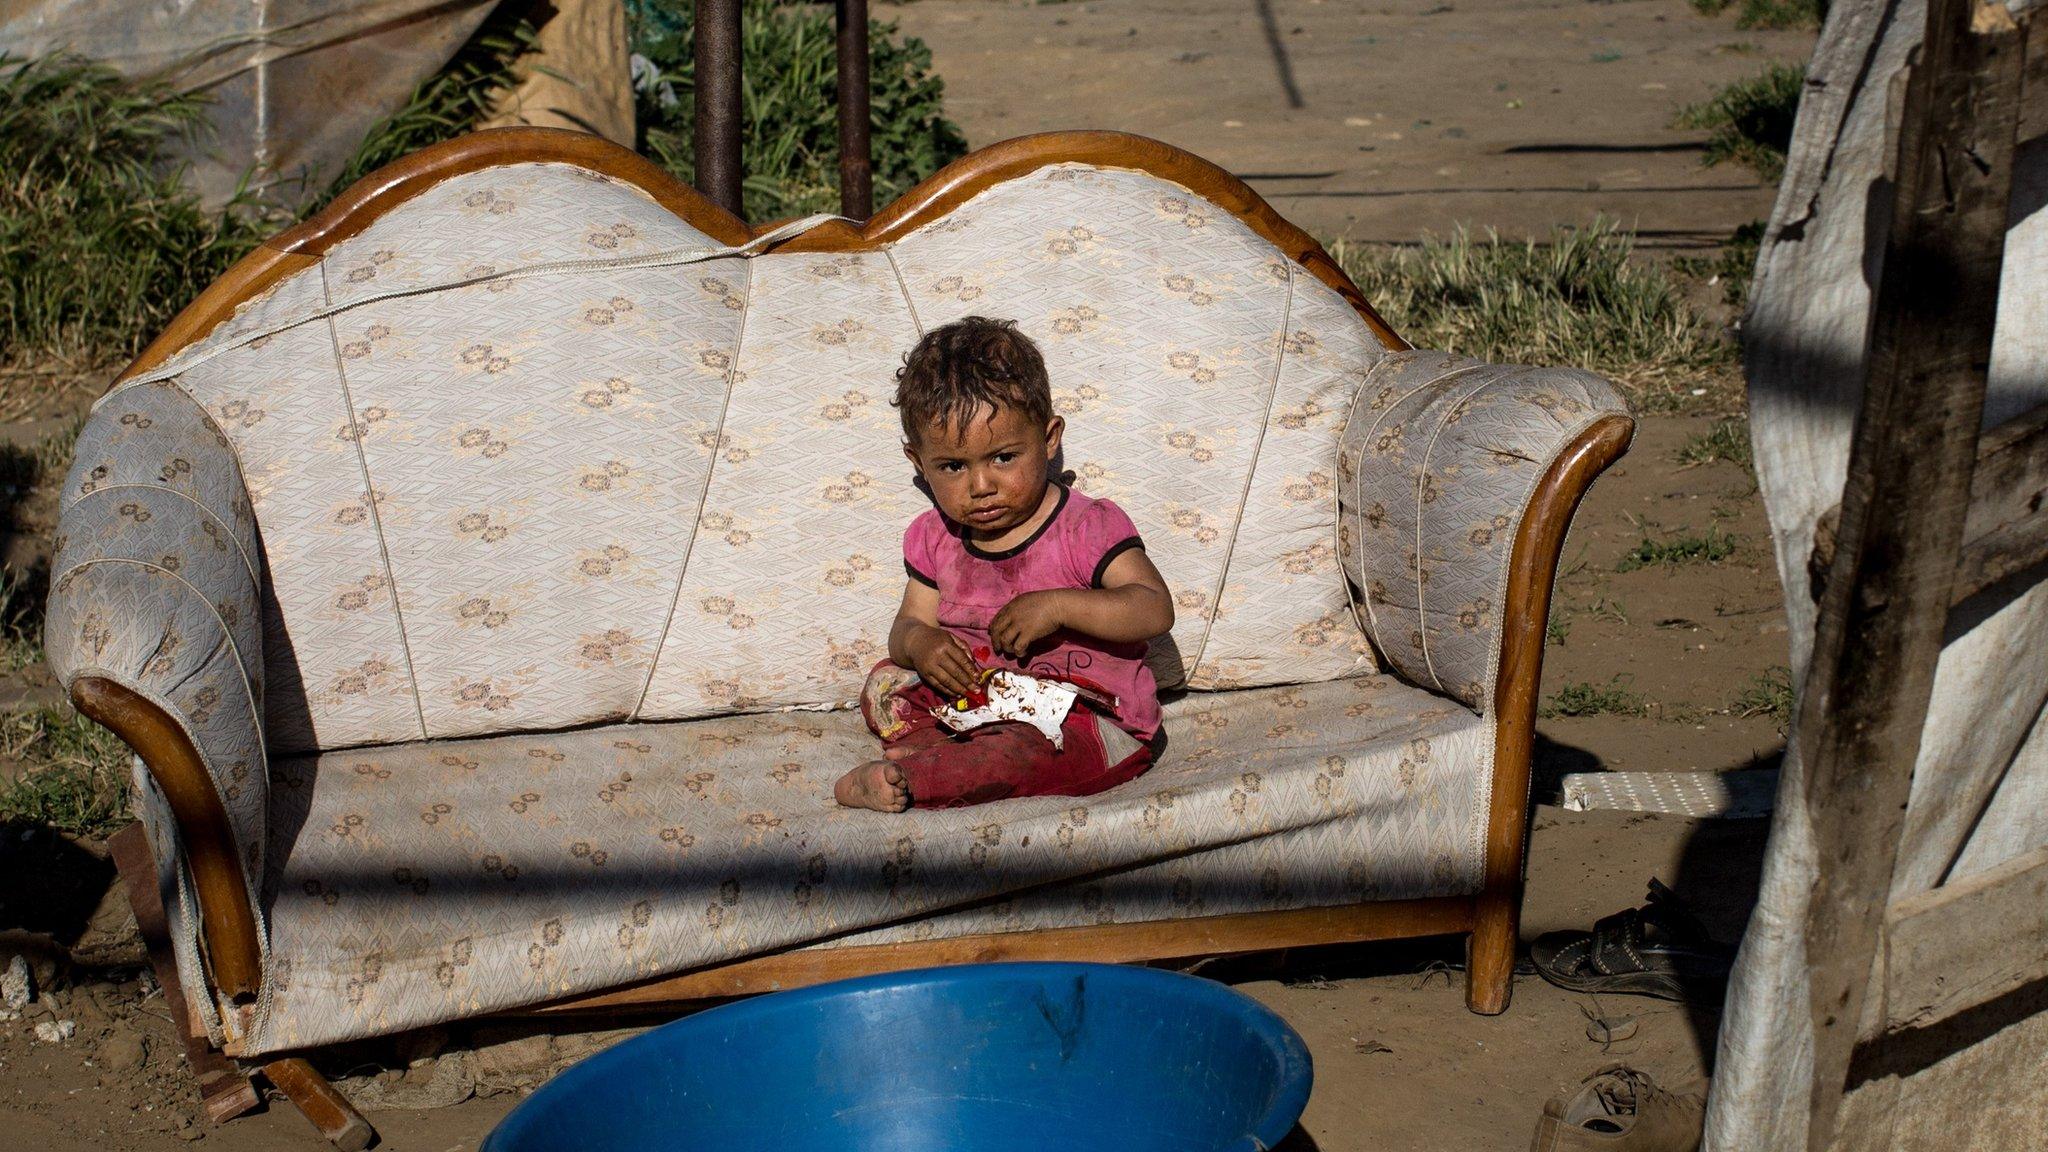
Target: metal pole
856	174
716	52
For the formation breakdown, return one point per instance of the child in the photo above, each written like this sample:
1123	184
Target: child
1016	569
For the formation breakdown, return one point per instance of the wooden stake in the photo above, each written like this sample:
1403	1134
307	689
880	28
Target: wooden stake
1881	620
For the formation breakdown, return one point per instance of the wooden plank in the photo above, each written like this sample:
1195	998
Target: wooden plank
1903	508
1966	943
2006	529
1104	943
326	1109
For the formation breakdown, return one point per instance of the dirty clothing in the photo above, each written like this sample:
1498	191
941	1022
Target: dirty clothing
996	761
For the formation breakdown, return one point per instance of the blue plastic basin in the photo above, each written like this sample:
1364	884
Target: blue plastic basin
986	1057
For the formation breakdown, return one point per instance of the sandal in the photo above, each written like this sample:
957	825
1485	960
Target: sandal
1657	950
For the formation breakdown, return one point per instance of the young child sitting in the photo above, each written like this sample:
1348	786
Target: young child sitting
1009	570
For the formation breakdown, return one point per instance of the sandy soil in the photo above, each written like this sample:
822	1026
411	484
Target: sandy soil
1403	124
1381	120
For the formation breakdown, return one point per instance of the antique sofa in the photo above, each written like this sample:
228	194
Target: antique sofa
482	569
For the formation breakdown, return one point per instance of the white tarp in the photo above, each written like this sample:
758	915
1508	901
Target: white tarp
1980	789
295	84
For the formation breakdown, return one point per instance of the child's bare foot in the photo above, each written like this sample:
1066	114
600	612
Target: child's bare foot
877	784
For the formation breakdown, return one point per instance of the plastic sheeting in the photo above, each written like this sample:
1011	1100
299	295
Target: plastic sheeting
1987	733
295	83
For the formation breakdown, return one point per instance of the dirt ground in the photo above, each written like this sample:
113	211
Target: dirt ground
1410	116
1382	119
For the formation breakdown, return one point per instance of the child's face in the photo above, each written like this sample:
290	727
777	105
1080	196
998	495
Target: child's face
990	474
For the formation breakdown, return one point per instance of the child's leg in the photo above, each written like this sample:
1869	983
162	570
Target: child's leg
1007	760
898	708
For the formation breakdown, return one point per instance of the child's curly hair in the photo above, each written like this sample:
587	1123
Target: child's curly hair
961	367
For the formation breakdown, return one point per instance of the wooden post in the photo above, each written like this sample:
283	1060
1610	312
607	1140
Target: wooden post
715	49
1882	616
856	176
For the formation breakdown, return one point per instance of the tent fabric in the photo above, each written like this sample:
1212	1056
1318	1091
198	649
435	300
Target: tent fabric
1986	733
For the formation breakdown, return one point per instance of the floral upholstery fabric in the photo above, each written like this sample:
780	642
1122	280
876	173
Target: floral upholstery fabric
1437	463
528	452
436	880
155	585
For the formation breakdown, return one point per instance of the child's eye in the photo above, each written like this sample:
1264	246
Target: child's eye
1005	457
951	466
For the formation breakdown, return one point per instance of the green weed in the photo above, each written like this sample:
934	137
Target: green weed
21	617
1587	699
1557	627
1577	298
1726	440
100	244
1710	547
76	772
1768	694
1732	266
790	143
1750	122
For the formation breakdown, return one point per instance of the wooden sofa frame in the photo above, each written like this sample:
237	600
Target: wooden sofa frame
1490	918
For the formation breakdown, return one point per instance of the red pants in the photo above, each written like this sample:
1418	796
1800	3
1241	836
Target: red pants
994	762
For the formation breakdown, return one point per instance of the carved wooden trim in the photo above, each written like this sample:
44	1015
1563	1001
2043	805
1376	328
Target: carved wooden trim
1532	569
394	184
1103	943
228	923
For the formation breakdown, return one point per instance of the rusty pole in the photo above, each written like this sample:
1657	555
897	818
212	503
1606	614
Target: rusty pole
856	175
716	52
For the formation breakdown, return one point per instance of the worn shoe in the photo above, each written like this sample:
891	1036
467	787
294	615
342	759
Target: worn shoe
1619	1109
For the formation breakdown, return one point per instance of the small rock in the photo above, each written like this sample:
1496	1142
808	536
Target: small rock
17	984
56	1031
124	1051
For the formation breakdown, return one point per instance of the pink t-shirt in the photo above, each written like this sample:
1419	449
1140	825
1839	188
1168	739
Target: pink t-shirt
1071	549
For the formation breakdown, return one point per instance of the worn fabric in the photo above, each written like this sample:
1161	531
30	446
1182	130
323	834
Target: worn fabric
156	585
1437	462
1983	762
1072	549
944	769
436	880
529	452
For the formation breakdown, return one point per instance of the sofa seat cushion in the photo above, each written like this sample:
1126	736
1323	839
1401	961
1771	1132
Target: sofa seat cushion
424	882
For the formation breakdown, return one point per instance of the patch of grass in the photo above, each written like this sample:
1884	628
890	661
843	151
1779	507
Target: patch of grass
1768	13
445	105
1768	694
21	617
1576	298
1750	122
1726	440
1732	266
1557	627
1613	698
790	143
1710	547
100	244
76	777
1606	608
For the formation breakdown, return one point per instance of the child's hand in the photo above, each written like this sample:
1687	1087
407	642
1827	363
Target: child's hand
943	661
1024	621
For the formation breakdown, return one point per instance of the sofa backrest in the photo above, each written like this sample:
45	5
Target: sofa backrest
517	464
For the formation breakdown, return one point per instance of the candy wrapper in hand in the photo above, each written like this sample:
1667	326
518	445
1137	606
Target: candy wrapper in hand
1006	695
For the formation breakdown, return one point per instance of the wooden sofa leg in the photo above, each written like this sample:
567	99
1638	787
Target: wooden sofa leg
317	1100
1490	952
224	1089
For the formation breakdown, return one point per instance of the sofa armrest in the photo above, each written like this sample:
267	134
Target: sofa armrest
1439	464
155	630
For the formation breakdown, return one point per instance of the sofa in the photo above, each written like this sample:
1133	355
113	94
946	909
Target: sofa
484	569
